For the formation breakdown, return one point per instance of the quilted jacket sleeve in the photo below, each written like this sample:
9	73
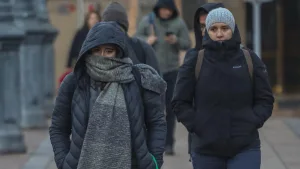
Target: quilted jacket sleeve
156	124
61	125
182	103
154	88
263	96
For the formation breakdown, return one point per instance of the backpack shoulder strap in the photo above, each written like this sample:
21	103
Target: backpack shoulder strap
138	50
249	62
137	77
151	18
199	63
141	55
151	21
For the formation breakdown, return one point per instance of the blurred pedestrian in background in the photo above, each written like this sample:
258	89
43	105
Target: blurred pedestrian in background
168	34
91	19
140	51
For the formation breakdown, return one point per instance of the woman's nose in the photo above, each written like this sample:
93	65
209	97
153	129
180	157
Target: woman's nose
219	34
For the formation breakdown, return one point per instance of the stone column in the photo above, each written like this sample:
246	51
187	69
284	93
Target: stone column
49	34
11	138
31	65
279	87
133	14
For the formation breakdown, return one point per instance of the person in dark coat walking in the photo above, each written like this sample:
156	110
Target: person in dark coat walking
91	19
140	51
199	27
112	110
224	106
168	34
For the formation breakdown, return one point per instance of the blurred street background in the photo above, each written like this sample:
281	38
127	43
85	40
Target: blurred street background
36	36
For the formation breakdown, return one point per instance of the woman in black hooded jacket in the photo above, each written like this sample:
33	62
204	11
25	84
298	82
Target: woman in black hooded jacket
226	104
112	110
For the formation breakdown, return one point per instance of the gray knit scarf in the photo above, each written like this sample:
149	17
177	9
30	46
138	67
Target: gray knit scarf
107	142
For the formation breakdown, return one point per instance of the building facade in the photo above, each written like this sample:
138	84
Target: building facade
280	25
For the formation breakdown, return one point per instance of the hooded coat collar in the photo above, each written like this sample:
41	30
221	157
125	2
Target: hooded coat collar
204	8
101	33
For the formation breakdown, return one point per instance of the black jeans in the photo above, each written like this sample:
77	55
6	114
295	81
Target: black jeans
250	158
170	78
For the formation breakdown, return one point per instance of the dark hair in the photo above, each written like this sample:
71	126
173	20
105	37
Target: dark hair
202	12
88	15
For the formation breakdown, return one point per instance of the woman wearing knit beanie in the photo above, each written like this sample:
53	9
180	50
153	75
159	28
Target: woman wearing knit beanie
223	97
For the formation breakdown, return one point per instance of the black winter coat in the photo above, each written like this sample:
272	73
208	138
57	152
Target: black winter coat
71	112
224	108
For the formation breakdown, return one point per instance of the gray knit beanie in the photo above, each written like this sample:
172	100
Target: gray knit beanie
116	12
220	15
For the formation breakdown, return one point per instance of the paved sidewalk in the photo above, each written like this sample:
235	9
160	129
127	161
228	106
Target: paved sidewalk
280	149
283	142
33	139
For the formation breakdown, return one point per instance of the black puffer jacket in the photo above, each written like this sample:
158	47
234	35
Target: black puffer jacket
224	108
71	111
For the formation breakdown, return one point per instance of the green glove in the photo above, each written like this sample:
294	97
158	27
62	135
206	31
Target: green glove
156	165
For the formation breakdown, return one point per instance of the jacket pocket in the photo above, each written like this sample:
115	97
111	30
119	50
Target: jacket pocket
245	122
64	163
198	125
254	119
207	118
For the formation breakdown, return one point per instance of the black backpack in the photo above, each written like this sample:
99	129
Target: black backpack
246	55
137	76
138	49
